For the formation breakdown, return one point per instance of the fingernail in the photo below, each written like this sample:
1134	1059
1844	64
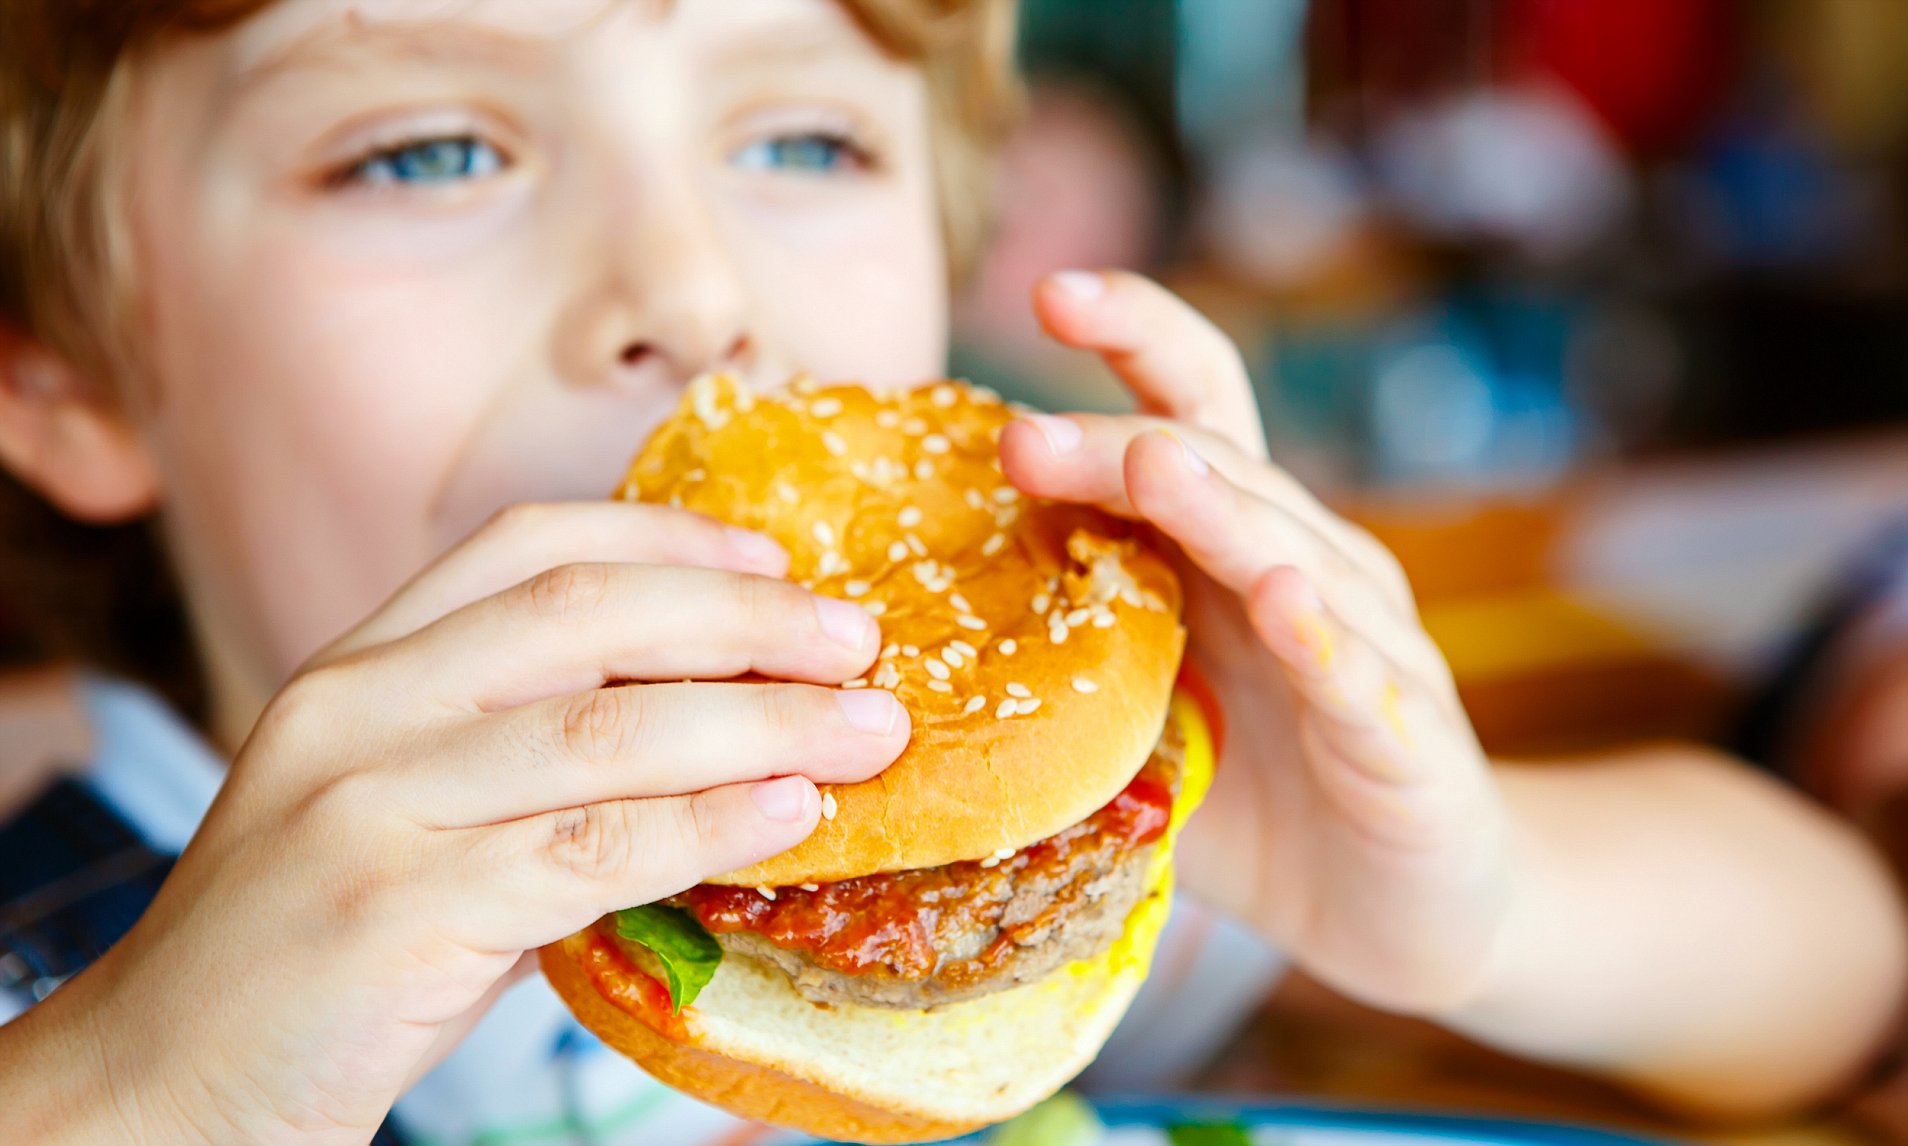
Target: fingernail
869	710
758	550
846	623
1063	434
1081	286
784	800
1194	461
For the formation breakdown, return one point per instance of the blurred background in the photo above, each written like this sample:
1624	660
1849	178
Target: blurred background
1596	310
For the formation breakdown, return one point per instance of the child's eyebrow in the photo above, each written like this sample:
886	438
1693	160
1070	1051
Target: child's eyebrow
342	43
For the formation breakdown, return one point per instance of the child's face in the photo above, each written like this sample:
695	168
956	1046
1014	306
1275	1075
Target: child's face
402	262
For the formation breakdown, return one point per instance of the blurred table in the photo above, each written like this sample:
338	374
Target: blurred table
1635	604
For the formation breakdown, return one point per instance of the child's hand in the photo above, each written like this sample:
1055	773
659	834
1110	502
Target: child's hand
453	785
1355	820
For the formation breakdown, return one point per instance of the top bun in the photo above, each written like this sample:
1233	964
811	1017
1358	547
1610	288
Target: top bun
1034	643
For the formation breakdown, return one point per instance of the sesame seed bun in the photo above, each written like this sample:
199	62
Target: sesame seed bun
1035	644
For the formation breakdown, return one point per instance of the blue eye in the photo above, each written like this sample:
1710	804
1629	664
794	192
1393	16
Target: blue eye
813	152
429	161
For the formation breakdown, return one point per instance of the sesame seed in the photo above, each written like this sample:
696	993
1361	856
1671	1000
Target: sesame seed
959	602
1008	646
993	545
1007	516
696	474
887	676
936	668
875	608
675	501
910	517
811	887
1084	684
887	419
974	704
824	533
897	551
990	862
1027	706
1006	709
940	686
859	468
891	650
963	648
915	544
936	444
1104	620
766	892
1077	617
830	564
910	650
806	386
858	682
787	493
1018	691
974	499
1004	854
943	396
825	407
923	470
974	623
828	806
1040	603
1057	634
953	657
1130	596
831	441
1006	495
855	588
914	427
985	394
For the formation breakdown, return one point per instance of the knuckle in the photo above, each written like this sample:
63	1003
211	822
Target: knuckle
567	594
786	710
594	842
603	725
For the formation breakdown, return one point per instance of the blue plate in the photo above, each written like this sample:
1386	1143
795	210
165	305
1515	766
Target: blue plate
1145	1123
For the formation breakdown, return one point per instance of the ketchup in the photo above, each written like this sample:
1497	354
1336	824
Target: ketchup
887	923
629	988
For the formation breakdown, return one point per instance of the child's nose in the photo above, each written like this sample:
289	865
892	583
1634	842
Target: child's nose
669	304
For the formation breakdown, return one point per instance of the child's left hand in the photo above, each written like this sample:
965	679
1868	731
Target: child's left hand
1354	819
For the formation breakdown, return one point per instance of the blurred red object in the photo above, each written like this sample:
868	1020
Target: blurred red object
1654	71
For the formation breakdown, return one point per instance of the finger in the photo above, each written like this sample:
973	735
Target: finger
654	740
1090	458
549	875
1235	537
577	627
523	540
1176	362
1362	709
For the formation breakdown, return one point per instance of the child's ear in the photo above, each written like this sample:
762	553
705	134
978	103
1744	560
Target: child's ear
64	435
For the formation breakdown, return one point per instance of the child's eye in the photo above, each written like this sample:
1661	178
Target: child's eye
428	161
821	152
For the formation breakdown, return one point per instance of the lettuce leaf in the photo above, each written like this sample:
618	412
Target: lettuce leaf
689	955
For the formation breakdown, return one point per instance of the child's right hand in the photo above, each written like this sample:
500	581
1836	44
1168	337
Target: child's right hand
451	786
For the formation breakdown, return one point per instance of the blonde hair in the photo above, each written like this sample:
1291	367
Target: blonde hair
65	280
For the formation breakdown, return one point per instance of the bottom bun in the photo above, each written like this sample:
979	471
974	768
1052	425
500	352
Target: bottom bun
754	1046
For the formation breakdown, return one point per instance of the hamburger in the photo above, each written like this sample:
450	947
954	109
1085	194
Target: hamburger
960	934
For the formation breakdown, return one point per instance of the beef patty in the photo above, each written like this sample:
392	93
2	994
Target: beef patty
914	940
